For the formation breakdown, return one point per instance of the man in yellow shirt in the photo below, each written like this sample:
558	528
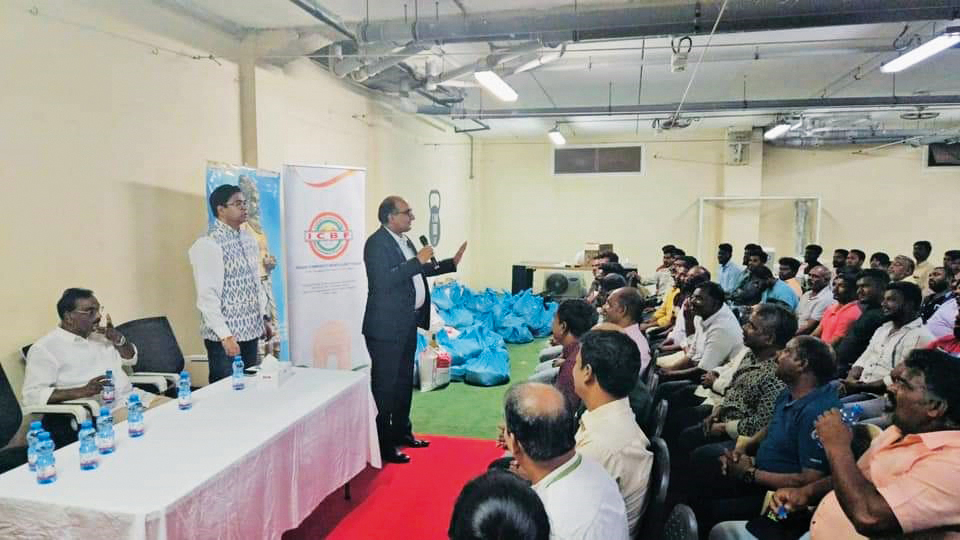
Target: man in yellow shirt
664	315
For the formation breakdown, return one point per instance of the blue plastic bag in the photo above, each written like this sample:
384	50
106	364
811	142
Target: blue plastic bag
527	305
446	296
466	345
457	317
514	330
456	373
491	368
544	326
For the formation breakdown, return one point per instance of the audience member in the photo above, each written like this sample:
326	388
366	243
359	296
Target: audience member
606	371
719	333
838	317
748	291
580	498
662	281
815	301
839	259
890	344
951	260
597	267
748	249
811	258
498	505
728	273
786	454
772	289
938	285
905	484
880	261
663	316
788	268
609	282
941	322
624	307
855	260
871	285
921	271
949	344
677	341
901	269
573	319
71	361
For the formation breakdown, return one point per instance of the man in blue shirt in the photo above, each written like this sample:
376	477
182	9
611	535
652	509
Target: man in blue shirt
774	289
728	271
731	484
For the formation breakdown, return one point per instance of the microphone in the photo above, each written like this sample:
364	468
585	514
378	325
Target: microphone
424	243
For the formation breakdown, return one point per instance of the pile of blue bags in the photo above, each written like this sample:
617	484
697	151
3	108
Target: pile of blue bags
486	321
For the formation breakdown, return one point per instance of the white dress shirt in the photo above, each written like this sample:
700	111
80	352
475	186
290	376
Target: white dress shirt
812	305
61	360
420	292
889	347
206	257
941	322
714	395
722	337
610	436
583	502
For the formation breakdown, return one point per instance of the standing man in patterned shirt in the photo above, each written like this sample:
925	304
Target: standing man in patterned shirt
230	295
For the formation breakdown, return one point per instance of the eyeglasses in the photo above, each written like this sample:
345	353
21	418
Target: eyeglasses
90	311
238	204
408	211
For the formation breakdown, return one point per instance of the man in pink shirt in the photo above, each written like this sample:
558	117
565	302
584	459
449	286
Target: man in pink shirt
837	318
624	307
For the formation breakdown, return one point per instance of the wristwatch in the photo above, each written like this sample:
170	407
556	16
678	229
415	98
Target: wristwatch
749	476
123	341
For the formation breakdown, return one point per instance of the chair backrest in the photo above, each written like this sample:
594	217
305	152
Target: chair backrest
11	416
651	520
653	379
157	347
681	524
661	417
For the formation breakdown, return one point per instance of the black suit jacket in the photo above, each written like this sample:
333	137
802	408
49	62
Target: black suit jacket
390	294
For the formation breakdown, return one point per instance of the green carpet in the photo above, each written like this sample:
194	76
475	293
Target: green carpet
472	411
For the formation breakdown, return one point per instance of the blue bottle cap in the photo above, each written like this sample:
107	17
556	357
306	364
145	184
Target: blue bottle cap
44	436
35	425
86	424
109	373
104	411
185	374
134	398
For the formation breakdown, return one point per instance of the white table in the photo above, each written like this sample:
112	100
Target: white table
247	464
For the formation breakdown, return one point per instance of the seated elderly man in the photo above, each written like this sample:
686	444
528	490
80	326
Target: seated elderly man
901	269
580	497
815	301
623	308
605	373
786	454
71	361
907	484
890	344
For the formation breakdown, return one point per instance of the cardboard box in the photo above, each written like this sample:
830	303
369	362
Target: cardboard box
592	249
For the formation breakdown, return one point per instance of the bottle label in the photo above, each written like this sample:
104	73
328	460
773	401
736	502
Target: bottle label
105	444
46	473
184	402
135	428
237	383
108	395
89	461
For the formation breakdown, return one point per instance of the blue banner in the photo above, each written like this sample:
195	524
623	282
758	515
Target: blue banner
264	221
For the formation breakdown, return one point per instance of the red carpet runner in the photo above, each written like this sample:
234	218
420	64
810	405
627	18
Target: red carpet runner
413	500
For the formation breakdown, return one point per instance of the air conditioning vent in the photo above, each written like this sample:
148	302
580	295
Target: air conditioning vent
598	160
943	155
563	285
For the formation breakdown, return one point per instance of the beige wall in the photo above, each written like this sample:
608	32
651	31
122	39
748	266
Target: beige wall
104	151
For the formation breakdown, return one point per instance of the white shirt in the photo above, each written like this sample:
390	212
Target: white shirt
610	436
941	322
206	257
637	336
62	359
722	337
714	395
583	502
811	306
889	347
420	292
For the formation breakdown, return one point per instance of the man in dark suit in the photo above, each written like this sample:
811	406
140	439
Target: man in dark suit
398	300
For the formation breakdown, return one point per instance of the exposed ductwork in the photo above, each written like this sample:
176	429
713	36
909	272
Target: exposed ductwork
573	23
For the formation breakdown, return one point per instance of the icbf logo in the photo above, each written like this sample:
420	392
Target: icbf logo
328	236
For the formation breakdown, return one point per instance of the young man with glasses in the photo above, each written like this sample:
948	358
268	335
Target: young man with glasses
230	296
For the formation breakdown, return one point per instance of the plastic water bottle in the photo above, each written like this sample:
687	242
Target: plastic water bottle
849	416
184	397
109	391
134	416
237	373
89	459
105	439
35	428
46	463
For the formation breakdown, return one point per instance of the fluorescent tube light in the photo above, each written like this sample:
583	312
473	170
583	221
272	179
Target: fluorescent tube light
776	131
938	44
556	137
497	86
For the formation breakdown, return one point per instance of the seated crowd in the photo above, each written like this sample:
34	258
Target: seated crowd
821	402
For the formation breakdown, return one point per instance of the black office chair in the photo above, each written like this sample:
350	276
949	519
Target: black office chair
653	379
653	427
158	353
654	507
11	416
681	524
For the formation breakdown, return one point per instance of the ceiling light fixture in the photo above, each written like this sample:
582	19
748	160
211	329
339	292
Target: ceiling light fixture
949	38
776	131
497	86
556	137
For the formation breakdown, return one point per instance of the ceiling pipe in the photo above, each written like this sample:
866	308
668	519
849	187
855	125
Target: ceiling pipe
370	70
706	107
490	61
686	18
913	137
330	20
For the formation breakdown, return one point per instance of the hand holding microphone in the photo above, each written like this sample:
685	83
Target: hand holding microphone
427	251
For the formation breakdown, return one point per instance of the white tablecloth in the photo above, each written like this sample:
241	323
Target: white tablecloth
247	464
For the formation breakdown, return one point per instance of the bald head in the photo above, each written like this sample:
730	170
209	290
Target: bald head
624	306
538	416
